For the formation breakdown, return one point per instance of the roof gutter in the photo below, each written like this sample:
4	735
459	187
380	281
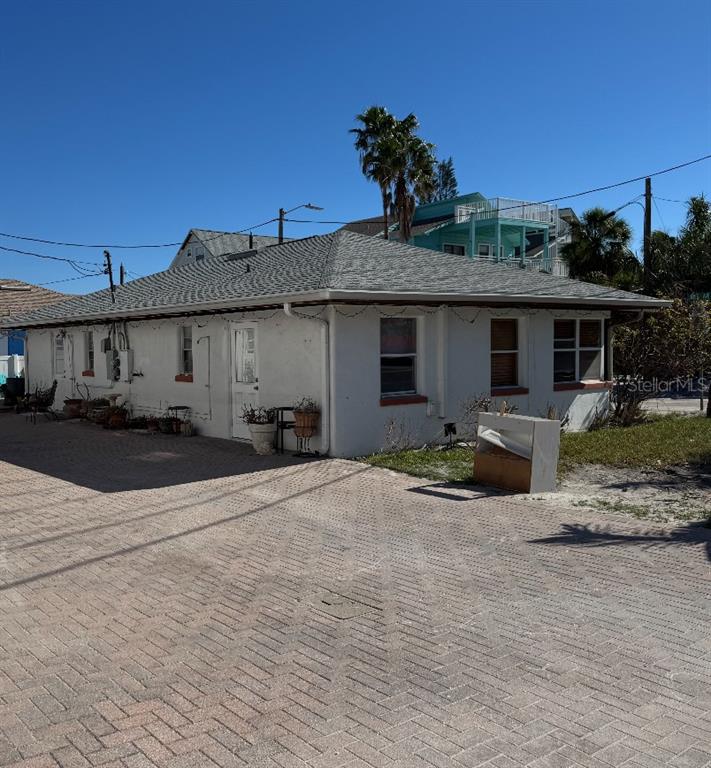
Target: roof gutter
494	298
173	309
348	296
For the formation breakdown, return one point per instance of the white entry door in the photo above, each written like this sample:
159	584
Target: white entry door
244	375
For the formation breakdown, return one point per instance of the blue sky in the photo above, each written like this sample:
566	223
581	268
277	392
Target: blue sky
131	122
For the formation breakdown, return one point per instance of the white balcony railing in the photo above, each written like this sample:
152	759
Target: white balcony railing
552	266
506	208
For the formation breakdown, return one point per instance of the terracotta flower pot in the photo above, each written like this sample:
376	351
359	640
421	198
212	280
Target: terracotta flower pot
72	408
306	423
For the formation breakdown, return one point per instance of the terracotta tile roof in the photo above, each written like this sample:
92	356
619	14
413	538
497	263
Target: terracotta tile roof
26	297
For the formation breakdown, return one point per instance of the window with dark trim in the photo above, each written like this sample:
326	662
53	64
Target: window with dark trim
577	350
398	356
457	250
504	353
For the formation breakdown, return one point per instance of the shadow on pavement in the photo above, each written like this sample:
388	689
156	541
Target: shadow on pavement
115	461
577	534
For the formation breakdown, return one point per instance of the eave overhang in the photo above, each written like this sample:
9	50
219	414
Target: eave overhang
644	303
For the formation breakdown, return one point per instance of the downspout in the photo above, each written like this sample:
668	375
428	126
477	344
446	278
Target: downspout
442	348
325	375
209	375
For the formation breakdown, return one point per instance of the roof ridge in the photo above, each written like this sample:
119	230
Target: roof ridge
330	256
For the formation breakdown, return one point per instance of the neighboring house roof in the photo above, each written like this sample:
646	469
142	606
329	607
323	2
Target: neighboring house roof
374	226
18	296
218	243
341	266
224	243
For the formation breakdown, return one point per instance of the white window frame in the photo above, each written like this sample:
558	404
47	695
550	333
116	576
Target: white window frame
89	351
415	355
455	245
184	349
577	349
517	351
57	371
489	249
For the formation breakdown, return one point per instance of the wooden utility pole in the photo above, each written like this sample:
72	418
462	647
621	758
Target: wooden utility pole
109	271
647	233
282	213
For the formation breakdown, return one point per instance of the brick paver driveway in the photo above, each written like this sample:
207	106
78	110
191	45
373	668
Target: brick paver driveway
178	602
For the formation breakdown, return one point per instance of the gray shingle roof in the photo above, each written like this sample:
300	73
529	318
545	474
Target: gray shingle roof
340	261
223	243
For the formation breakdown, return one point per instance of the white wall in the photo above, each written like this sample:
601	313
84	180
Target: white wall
290	365
457	341
453	365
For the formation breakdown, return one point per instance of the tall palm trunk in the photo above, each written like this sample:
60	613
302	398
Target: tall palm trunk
386	204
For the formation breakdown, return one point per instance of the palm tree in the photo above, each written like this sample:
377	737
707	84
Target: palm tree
399	161
599	250
415	178
376	147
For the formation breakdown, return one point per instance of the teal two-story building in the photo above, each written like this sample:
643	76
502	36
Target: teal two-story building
498	229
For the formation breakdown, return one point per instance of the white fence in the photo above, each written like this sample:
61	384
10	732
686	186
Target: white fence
506	208
11	366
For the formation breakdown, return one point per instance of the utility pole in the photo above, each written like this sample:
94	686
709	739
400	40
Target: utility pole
122	275
282	213
109	271
647	259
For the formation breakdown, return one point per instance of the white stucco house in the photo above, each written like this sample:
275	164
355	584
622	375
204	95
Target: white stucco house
373	330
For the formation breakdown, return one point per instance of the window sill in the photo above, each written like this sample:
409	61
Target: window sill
500	391
87	373
590	386
186	378
403	400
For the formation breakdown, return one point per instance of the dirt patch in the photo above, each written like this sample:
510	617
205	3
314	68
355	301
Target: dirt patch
674	494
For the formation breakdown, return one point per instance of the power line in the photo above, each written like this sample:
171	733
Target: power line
45	256
315	221
659	213
308	221
69	279
134	247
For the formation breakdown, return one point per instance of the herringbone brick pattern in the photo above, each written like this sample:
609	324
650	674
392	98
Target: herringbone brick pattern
161	604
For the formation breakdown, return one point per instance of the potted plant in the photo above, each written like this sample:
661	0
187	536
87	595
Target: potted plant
306	417
72	407
165	425
262	428
116	417
96	410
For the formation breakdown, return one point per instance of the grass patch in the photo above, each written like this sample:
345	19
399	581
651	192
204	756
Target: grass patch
455	465
663	442
660	443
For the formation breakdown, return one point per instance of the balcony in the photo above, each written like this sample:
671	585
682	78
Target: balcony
506	208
